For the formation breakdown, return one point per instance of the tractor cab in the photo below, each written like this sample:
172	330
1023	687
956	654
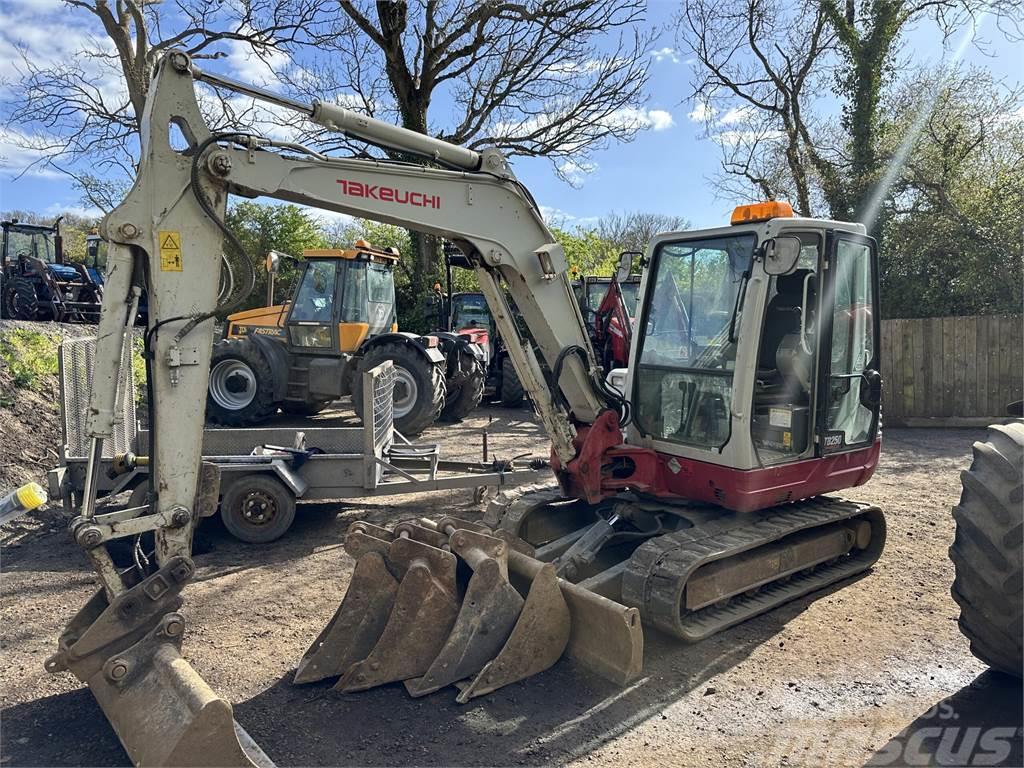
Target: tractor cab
341	298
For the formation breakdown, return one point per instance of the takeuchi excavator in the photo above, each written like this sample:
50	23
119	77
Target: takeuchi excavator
691	502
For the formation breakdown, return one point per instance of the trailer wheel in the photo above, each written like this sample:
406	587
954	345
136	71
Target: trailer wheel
419	386
20	299
241	388
462	398
986	552
257	509
511	387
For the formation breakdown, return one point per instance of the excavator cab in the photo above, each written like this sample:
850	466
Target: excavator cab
757	346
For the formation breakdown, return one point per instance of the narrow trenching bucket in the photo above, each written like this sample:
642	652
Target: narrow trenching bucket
489	611
424	612
363	614
128	651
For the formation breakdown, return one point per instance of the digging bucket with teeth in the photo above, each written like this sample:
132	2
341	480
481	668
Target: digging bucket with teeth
126	648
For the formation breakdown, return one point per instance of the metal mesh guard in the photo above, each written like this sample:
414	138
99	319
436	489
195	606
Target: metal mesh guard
383	403
77	360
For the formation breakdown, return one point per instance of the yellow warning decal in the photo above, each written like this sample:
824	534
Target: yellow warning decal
170	251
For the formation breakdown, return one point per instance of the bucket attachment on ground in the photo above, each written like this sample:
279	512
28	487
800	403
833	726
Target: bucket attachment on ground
128	650
489	611
360	619
424	612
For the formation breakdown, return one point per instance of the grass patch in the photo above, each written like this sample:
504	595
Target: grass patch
29	356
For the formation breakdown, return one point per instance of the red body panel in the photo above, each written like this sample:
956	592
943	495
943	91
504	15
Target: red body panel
604	466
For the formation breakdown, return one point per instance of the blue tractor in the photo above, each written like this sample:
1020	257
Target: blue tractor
35	281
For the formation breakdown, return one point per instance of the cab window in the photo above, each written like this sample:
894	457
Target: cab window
314	301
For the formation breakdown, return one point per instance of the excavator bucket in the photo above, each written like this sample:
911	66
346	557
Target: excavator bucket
128	651
536	643
489	611
424	612
363	614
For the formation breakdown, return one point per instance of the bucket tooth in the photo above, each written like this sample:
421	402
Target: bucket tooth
426	606
489	611
537	641
358	623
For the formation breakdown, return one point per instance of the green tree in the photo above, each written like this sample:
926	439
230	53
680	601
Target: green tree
261	228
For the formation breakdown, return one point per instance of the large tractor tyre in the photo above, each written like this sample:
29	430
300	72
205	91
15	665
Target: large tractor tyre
257	509
462	398
986	552
241	389
20	299
308	408
419	386
511	387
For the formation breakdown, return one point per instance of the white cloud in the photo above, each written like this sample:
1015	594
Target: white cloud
575	172
702	112
665	54
735	138
23	153
258	69
73	209
737	115
641	119
556	217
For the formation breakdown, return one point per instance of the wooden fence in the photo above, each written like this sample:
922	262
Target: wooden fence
952	369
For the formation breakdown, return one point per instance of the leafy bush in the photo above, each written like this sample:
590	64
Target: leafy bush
29	356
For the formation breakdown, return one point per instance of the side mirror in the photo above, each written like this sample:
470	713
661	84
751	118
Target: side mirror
273	262
781	254
625	265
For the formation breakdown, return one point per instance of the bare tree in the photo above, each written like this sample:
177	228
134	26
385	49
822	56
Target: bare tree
558	79
633	230
88	107
764	67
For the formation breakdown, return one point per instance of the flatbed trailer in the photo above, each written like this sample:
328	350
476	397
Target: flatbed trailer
264	471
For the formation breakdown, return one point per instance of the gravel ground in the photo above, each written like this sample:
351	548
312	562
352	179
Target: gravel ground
875	671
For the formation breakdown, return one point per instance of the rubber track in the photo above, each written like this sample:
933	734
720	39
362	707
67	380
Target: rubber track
656	574
507	510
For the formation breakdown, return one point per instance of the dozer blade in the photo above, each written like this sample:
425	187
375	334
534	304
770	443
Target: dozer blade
536	643
360	620
425	609
489	611
128	650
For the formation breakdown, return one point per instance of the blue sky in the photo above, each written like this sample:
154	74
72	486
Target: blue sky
665	170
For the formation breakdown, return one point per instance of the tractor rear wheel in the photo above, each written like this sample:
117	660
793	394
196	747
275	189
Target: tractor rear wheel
466	395
986	552
419	386
20	299
241	389
511	387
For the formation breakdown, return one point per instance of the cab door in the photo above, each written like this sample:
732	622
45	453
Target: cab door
849	385
312	323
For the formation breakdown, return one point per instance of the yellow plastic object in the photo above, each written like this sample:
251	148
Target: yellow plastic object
31	496
772	209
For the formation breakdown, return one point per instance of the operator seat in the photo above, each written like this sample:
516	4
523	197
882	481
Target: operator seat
782	317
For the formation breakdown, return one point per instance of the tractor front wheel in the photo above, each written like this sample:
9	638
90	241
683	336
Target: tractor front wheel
511	387
419	386
241	389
